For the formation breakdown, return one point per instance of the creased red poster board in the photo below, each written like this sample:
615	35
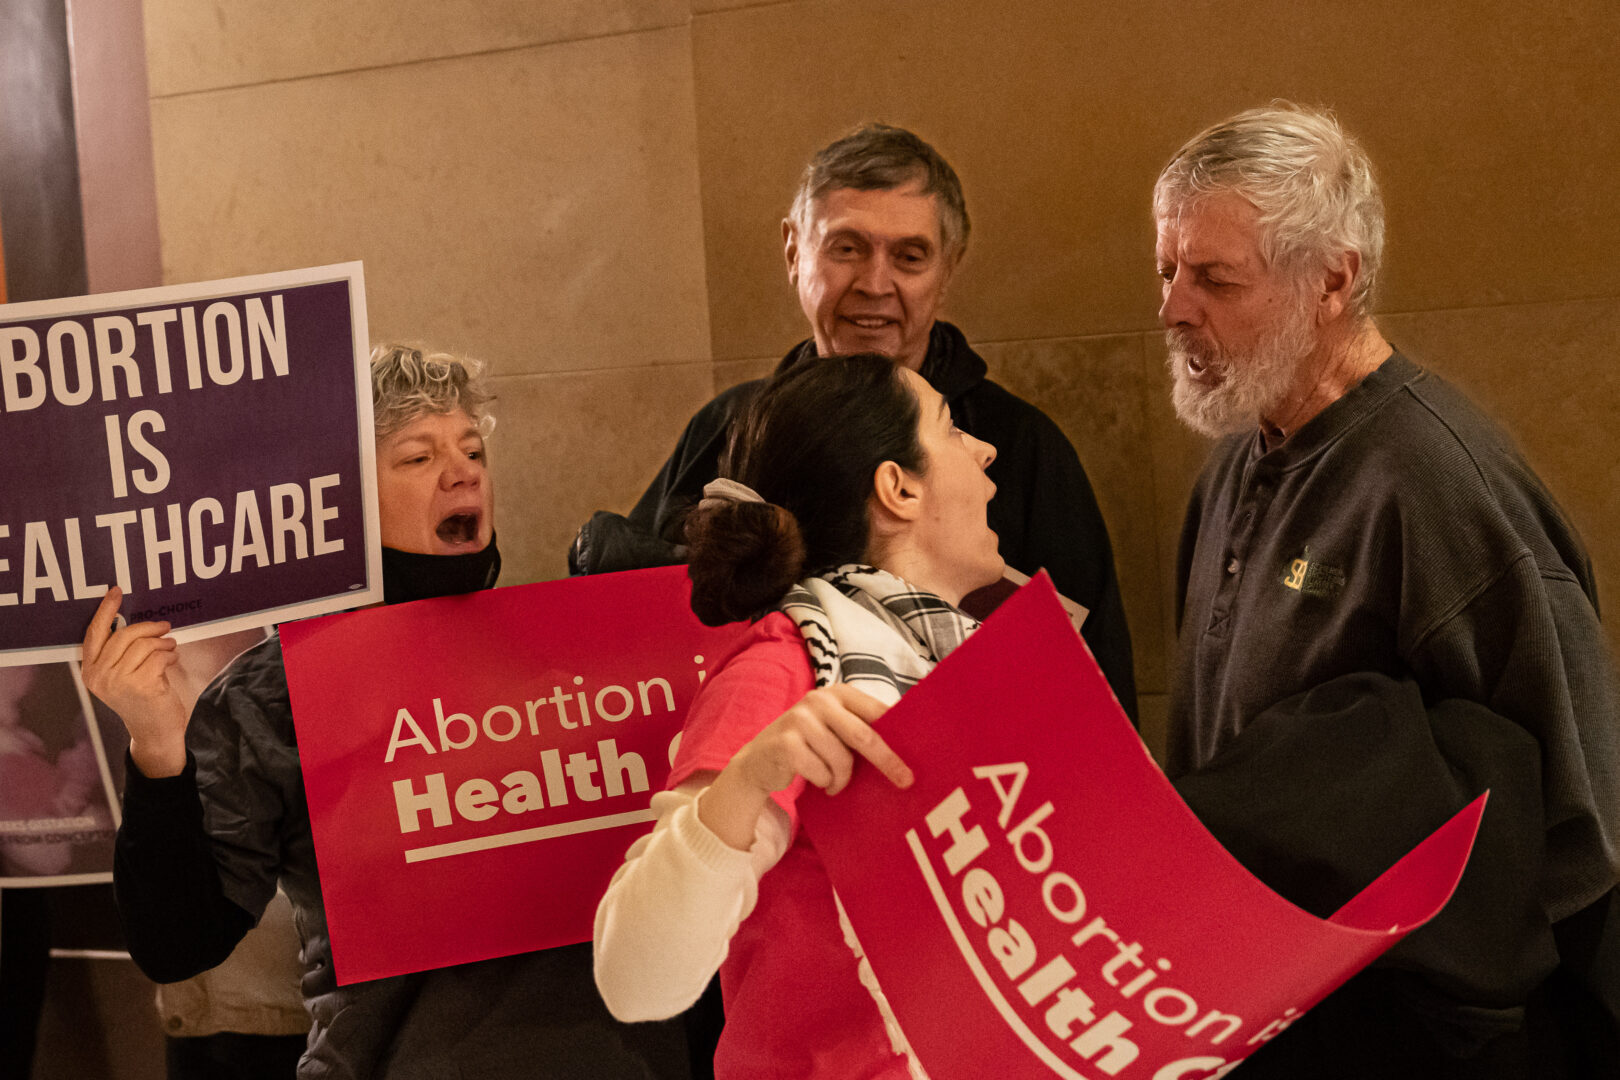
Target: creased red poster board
1042	903
540	721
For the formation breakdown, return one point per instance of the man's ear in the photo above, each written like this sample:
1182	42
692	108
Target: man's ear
895	494
790	250
1337	282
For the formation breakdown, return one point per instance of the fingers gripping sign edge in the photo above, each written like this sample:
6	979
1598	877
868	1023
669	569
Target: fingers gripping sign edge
127	669
859	712
102	625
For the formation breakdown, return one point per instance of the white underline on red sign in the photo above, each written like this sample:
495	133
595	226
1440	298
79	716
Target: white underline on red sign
529	836
987	984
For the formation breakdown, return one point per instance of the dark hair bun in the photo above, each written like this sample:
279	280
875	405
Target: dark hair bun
742	558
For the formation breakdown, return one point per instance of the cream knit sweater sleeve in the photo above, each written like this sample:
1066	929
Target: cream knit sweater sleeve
666	921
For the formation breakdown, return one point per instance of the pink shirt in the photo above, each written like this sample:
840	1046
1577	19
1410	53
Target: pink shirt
794	1004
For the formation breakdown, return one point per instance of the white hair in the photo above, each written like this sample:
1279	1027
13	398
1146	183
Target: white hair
408	381
1311	182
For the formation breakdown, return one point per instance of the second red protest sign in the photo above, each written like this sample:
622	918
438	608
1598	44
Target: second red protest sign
477	765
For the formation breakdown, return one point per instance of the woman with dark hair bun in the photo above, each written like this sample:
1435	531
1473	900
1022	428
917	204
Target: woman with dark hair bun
849	525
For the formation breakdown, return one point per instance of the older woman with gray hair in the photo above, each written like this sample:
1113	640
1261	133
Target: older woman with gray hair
214	809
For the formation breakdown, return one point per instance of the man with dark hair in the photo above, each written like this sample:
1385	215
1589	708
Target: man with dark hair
1383	612
876	231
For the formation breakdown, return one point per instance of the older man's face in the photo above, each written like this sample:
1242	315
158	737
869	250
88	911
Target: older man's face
1238	328
434	495
871	271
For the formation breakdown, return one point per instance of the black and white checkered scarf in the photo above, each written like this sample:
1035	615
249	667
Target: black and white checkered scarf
866	627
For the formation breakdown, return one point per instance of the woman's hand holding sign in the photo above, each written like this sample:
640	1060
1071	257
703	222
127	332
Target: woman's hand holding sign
817	739
128	669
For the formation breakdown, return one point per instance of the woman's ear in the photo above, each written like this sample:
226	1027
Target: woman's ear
896	494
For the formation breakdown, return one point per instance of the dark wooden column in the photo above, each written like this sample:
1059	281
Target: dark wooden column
41	223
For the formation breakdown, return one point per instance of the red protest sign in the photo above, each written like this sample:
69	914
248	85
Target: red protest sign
477	765
1042	903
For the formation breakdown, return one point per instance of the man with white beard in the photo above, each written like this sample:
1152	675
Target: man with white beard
1382	613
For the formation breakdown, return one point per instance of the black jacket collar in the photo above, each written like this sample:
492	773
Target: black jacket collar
951	366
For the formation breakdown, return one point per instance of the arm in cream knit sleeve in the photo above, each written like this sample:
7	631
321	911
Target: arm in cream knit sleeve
663	927
666	921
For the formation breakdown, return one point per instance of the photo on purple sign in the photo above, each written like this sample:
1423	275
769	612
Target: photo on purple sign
57	814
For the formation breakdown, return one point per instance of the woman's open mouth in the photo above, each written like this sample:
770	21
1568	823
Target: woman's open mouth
459	528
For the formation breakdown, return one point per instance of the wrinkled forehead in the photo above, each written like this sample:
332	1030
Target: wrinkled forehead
1216	226
900	209
427	426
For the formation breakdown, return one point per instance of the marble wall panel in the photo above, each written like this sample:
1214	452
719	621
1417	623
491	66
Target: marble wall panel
1547	372
1093	389
568	445
701	7
208	44
1493	130
538	206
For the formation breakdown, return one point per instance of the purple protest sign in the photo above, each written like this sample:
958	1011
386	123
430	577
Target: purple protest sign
206	447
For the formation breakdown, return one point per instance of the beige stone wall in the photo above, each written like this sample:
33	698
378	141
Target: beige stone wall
520	179
587	194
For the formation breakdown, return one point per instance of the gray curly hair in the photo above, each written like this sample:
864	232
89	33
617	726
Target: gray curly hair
408	381
1312	183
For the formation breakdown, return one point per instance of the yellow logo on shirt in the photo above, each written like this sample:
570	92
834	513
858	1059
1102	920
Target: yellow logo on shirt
1296	574
1311	577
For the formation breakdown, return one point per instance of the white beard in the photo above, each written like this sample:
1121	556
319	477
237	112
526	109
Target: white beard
1251	384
